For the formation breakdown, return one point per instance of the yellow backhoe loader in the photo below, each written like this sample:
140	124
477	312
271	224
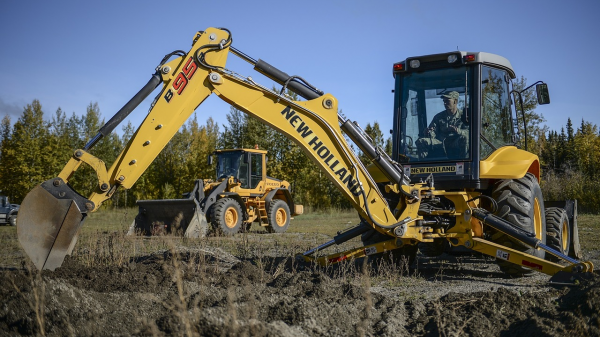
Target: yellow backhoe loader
483	195
241	195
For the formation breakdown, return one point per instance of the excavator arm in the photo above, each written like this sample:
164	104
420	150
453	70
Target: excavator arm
52	213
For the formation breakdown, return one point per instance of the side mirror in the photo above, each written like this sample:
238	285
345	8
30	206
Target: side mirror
543	96
246	157
210	159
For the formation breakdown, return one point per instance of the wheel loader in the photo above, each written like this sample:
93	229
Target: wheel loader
241	194
455	175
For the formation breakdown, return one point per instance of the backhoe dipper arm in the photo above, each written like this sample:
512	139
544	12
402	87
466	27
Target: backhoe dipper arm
187	81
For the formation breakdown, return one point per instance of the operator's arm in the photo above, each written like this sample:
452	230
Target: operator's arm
430	131
463	130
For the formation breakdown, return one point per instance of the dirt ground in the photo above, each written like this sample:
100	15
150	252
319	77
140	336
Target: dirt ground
208	292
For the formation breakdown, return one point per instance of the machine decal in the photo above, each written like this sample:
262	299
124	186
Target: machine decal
370	251
338	259
433	169
322	151
502	254
532	265
169	95
460	168
186	74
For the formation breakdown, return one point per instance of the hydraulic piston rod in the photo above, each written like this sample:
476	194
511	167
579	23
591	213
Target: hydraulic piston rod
525	237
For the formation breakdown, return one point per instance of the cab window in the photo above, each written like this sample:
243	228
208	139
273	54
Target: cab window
435	115
496	121
256	174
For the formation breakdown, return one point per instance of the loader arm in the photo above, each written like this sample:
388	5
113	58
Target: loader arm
187	81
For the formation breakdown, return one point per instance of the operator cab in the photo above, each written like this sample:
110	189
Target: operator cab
246	166
451	111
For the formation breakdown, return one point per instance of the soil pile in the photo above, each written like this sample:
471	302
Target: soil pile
215	294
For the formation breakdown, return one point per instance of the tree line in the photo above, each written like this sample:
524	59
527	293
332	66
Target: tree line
35	149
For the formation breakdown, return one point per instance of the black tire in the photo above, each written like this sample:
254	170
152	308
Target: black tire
400	257
278	216
12	220
521	203
226	216
558	232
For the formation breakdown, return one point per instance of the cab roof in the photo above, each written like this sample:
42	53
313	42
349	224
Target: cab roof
464	57
241	150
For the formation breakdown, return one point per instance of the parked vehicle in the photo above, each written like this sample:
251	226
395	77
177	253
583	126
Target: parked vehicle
8	211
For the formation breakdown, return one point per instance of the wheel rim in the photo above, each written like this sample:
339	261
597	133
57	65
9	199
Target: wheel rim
231	217
565	236
537	219
280	217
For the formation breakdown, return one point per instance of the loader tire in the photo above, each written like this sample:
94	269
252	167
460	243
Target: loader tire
226	216
520	202
558	232
404	256
279	216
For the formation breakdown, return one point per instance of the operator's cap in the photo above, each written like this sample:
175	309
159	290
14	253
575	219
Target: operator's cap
451	94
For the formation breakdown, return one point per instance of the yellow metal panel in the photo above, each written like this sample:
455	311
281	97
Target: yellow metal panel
377	174
522	259
509	163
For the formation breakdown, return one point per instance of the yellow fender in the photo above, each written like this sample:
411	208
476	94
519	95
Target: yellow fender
509	163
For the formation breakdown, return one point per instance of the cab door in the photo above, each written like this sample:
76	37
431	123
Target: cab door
256	171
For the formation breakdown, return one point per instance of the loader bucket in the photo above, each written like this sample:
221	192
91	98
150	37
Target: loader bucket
169	216
48	221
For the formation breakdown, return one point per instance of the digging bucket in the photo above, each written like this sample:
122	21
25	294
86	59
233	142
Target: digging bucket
48	221
169	216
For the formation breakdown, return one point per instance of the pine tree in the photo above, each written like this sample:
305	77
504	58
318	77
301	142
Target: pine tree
7	157
376	135
32	151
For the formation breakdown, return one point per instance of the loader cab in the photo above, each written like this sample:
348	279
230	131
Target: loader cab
451	111
247	166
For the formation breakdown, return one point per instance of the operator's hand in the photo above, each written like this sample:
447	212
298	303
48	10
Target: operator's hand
453	128
429	130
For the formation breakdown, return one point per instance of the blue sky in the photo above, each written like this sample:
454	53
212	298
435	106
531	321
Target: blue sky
70	53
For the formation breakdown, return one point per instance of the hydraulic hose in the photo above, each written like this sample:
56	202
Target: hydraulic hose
107	128
281	78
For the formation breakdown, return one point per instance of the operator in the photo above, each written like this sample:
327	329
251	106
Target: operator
447	133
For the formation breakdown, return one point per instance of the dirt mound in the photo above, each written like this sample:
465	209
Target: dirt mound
212	293
570	311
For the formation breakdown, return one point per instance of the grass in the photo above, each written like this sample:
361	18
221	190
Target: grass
589	231
102	242
102	239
